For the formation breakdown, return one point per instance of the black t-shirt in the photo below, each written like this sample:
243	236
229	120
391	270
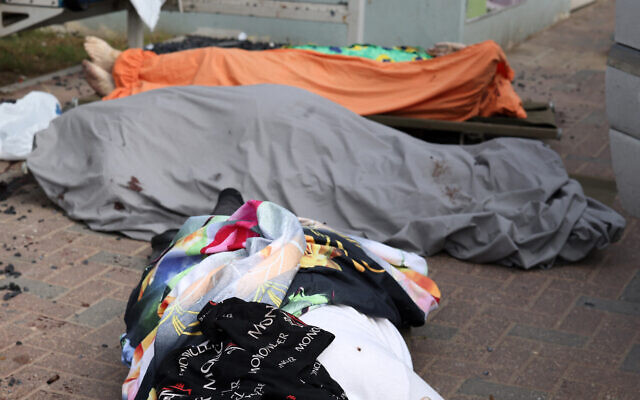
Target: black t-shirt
249	351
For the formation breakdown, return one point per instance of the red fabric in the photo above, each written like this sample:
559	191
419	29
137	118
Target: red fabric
234	236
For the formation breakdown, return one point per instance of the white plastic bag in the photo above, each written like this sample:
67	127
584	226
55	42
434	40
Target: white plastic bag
19	122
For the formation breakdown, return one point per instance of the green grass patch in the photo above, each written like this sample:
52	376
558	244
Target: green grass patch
35	52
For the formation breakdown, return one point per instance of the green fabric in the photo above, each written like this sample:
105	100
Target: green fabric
373	52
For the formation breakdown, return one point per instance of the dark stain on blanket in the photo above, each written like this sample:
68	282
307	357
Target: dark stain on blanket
134	184
61	195
118	206
439	168
451	192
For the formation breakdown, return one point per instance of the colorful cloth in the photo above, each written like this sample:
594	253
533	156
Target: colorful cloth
253	255
261	271
336	269
372	52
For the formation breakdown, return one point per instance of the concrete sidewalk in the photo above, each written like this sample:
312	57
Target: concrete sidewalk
571	332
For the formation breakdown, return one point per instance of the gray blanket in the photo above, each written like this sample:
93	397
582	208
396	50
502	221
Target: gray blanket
142	164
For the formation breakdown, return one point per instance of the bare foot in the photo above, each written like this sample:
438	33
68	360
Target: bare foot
443	48
99	79
103	55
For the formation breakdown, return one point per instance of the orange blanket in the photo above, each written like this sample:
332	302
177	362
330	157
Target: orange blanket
475	81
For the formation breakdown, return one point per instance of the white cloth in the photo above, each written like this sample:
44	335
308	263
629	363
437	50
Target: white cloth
19	122
368	357
148	10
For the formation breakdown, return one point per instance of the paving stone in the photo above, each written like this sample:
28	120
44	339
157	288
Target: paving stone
480	387
582	319
632	290
466	280
36	287
466	369
542	373
31	322
455	314
75	385
453	348
122	275
577	356
71	276
122	293
526	290
90	292
16	357
615	334
632	361
519	316
484	331
578	390
105	257
100	313
584	288
548	335
607	377
77	366
513	352
30	378
64	344
554	302
9	335
614	306
113	243
444	384
52	308
38	271
45	395
70	255
108	334
434	331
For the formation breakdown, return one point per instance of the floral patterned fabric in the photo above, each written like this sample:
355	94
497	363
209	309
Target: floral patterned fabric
372	52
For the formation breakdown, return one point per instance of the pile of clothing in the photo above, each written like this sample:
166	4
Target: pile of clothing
225	310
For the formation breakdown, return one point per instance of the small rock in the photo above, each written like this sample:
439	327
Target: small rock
10	295
489	349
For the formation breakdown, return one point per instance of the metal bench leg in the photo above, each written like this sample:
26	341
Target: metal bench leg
135	29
